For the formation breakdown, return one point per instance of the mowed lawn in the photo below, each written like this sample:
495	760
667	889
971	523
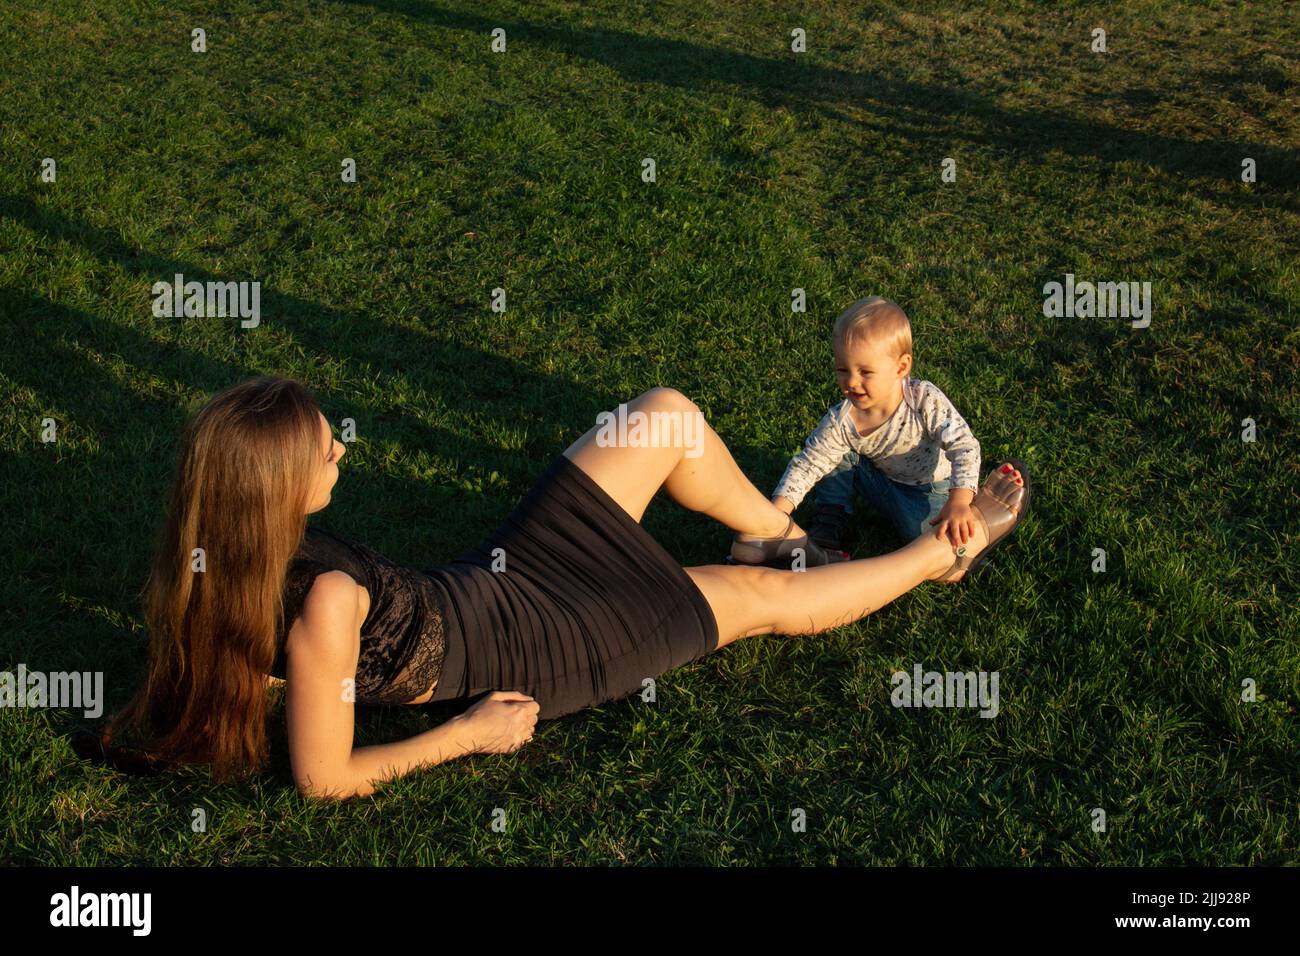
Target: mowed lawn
1119	690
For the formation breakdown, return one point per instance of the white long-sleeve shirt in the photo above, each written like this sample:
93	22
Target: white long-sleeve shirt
925	440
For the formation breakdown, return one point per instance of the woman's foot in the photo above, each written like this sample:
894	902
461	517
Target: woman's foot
1007	486
779	548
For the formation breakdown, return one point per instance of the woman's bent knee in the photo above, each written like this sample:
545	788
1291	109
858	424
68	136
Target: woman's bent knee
666	398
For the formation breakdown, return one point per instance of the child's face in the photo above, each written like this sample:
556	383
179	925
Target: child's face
868	376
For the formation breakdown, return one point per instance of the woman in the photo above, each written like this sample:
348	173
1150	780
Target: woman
568	604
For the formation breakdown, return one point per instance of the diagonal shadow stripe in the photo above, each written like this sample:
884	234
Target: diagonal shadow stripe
915	110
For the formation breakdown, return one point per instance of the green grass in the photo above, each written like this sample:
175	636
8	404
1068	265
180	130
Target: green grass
1118	690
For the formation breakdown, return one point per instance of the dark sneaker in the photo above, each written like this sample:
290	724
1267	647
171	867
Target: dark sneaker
831	527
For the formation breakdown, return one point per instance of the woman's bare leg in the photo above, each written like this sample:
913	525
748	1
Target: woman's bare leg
710	482
748	600
756	600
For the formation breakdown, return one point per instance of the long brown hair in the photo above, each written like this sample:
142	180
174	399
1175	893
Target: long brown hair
242	487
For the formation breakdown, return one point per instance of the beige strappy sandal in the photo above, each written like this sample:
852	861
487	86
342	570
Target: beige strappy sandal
779	552
1000	518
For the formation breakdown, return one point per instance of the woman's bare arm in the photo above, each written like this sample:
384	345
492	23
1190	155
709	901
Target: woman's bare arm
323	647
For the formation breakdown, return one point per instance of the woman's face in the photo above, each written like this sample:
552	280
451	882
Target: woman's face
327	471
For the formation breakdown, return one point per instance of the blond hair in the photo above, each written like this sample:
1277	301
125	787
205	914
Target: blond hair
241	493
877	321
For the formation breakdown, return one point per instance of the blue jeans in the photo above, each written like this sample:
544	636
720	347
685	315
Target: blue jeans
910	508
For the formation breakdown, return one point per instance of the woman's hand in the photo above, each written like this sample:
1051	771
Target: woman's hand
502	722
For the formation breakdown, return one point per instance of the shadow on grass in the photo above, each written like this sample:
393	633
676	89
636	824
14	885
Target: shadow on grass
914	111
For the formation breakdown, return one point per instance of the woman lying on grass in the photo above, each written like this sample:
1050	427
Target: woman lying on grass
568	604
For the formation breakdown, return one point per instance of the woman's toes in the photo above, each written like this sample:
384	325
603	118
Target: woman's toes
1004	485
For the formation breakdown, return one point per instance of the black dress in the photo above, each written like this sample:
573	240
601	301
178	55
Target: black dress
586	607
402	638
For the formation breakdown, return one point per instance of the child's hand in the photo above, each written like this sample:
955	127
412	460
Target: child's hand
957	520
